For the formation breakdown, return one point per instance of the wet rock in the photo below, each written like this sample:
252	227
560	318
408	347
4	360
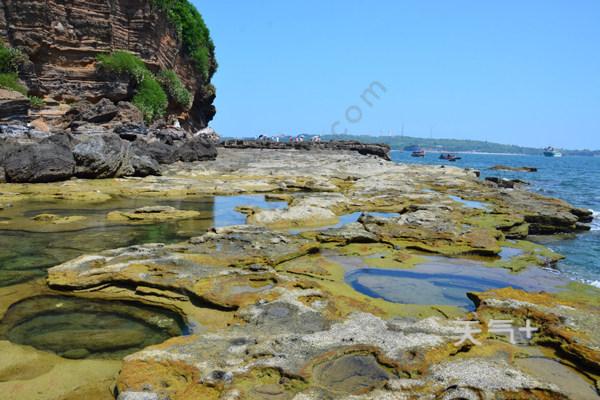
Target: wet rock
351	374
502	182
47	161
515	169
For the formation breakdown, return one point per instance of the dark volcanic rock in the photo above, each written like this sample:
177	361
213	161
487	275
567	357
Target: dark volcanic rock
144	165
161	152
103	111
131	131
102	156
379	150
49	160
501	167
196	149
13	105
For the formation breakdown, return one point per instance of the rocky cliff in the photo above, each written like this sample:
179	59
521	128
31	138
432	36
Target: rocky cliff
63	38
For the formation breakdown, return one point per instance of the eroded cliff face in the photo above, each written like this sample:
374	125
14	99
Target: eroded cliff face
63	37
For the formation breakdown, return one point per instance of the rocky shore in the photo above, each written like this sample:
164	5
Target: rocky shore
379	150
86	148
267	308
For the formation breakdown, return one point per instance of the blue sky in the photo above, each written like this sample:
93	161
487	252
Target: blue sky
519	72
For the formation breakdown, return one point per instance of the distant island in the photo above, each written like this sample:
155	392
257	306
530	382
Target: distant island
453	145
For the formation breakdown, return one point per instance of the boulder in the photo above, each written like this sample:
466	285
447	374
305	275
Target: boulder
128	113
196	149
159	151
144	165
170	134
103	111
102	156
49	160
209	134
13	105
131	131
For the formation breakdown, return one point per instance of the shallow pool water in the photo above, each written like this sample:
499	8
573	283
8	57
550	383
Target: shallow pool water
408	287
471	203
28	248
81	328
442	280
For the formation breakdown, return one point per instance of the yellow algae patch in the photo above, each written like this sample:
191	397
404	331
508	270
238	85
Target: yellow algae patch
267	383
152	214
57	219
532	255
29	374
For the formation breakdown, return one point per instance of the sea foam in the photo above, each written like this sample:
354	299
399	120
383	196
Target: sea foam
596	221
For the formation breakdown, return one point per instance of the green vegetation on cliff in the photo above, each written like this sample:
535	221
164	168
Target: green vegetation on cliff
10	60
10	81
193	32
124	63
175	89
150	97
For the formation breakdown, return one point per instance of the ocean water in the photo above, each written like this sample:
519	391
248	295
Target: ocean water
574	179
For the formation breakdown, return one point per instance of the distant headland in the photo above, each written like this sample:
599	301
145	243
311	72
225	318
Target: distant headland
454	145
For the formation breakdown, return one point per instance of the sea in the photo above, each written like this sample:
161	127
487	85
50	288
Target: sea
575	179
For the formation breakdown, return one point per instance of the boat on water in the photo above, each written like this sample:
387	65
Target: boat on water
418	153
552	152
449	157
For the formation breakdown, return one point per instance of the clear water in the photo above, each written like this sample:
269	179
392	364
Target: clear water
574	179
409	287
443	280
26	253
80	328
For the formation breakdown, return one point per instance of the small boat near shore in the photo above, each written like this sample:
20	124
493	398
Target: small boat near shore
418	153
449	157
552	152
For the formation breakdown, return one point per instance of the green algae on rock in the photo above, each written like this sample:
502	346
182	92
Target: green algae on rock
270	312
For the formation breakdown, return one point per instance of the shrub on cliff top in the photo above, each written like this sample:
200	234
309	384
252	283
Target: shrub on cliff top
151	99
193	32
175	89
123	62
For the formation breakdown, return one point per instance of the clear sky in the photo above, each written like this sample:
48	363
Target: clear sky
519	72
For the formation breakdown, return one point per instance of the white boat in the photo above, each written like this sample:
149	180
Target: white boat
552	152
